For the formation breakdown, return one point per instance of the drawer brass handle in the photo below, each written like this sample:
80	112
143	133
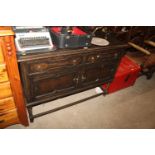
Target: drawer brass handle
92	59
39	67
74	62
97	79
76	79
115	55
83	78
98	56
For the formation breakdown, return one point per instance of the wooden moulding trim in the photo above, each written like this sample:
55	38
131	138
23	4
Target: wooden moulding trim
6	31
9	52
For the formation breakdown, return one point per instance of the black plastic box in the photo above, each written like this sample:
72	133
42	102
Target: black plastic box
76	39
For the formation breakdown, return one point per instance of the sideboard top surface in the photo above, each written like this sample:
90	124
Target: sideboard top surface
62	52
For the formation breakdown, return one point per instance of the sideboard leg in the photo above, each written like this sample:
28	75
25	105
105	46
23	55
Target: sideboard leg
105	90
30	114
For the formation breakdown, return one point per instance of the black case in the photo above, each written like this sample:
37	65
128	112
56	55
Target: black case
70	40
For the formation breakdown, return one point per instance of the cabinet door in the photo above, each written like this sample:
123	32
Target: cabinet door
53	84
97	74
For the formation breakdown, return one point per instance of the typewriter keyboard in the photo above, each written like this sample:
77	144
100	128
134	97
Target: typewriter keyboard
33	41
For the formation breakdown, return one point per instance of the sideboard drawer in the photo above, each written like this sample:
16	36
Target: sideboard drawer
5	90
3	73
99	56
47	64
7	104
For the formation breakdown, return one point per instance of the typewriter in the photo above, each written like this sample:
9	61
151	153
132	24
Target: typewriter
32	39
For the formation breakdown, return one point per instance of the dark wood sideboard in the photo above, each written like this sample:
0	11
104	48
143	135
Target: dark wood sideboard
49	75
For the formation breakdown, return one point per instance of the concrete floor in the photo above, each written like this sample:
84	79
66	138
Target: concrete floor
133	107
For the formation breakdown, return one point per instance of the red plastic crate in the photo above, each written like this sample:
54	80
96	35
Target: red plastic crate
125	76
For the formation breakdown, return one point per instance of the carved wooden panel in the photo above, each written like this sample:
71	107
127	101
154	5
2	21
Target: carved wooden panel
45	65
97	73
54	84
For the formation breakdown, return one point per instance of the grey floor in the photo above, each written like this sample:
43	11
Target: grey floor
133	107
